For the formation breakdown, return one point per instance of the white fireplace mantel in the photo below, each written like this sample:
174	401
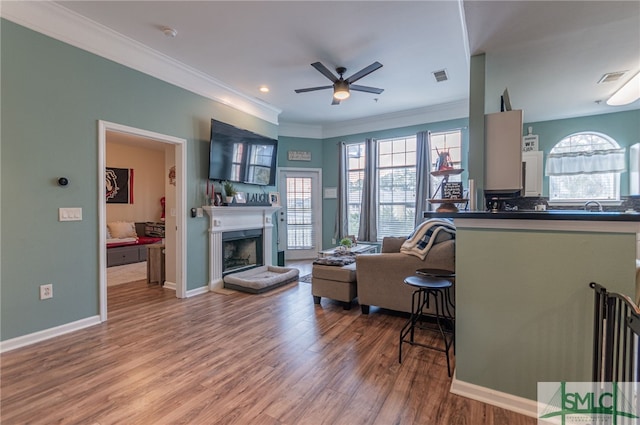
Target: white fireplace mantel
229	219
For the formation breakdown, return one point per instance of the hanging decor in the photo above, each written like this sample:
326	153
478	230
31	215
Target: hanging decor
119	185
172	175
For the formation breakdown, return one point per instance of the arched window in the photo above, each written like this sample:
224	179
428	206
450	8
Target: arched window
585	166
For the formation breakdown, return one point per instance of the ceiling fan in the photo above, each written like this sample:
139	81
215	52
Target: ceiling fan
342	86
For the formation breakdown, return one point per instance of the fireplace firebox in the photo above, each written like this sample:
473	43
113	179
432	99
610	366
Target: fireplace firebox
241	250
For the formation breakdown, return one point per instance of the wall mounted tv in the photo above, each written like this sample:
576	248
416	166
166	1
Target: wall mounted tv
241	156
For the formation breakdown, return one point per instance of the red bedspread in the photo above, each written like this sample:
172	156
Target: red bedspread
142	240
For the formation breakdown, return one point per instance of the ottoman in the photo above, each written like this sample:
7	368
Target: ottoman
334	282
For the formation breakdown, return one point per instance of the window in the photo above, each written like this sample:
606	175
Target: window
440	142
585	166
355	167
396	183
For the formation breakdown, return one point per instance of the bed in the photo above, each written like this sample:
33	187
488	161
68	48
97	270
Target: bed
127	243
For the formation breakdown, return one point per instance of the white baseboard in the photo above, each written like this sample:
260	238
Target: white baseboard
521	405
198	291
23	341
169	285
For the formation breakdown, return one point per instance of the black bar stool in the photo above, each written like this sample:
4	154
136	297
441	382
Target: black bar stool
437	284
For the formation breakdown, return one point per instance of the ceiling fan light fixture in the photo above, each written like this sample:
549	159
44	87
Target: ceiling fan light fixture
627	94
341	90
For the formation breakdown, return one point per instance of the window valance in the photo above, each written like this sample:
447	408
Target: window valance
593	162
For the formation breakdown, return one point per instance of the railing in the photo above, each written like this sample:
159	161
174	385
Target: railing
616	352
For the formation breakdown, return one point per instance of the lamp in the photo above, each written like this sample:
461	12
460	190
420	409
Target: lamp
341	90
628	93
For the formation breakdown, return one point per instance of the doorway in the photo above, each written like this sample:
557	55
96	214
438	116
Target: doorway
178	214
300	219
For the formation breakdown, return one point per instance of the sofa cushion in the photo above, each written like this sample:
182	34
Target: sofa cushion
392	243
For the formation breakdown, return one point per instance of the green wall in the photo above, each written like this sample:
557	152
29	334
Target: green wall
52	98
524	313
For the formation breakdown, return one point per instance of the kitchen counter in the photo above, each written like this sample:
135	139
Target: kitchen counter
524	309
539	215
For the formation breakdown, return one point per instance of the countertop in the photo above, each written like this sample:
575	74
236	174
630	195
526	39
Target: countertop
573	215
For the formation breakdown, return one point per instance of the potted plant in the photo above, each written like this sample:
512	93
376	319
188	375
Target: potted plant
346	243
229	191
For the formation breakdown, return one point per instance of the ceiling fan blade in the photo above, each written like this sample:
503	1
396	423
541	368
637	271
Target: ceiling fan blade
366	89
364	71
324	71
312	89
335	101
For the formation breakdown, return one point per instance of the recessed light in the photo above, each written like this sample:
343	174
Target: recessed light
264	89
169	32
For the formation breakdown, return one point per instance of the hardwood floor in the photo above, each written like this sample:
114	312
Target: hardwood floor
267	359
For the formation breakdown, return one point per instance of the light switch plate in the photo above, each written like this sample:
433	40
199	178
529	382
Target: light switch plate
69	214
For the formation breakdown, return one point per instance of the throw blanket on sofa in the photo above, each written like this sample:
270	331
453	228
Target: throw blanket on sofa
427	234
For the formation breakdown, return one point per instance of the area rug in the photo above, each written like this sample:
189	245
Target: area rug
305	279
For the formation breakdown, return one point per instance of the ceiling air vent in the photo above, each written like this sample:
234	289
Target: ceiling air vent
440	76
611	76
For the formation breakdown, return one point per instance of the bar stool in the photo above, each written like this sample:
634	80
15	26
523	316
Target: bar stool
430	283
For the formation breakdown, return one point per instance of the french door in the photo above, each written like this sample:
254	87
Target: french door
300	219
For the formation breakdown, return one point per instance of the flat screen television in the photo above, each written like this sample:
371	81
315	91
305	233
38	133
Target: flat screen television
241	156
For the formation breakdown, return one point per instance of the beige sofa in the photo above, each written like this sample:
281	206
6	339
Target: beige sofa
381	276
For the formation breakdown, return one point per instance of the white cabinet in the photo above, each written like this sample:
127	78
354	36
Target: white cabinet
634	169
532	173
503	152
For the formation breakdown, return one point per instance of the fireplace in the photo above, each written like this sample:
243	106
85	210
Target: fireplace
231	219
241	250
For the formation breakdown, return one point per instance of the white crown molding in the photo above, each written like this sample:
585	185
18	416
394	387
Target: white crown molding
300	130
429	114
69	27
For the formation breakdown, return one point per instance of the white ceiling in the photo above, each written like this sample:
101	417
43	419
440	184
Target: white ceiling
549	55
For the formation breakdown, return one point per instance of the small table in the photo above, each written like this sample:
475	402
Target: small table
356	249
155	264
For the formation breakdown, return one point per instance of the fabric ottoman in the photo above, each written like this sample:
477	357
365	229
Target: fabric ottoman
334	282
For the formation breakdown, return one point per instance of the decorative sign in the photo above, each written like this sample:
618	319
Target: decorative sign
299	156
530	143
452	190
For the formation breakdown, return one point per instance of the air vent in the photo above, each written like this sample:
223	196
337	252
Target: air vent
441	75
611	76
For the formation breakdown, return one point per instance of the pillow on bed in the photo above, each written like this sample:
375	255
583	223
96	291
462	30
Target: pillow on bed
122	229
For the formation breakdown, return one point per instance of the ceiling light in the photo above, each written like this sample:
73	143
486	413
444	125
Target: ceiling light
169	32
341	90
264	89
628	93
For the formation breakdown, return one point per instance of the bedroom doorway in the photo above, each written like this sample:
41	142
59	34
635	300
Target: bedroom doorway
175	216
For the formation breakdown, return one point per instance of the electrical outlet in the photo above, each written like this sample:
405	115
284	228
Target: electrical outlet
46	291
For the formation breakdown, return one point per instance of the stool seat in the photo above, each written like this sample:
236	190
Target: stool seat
426	282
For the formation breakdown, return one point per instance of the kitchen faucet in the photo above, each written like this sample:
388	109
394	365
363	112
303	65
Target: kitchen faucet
596	203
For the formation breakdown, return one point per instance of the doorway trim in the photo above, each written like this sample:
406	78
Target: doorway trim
181	202
316	174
